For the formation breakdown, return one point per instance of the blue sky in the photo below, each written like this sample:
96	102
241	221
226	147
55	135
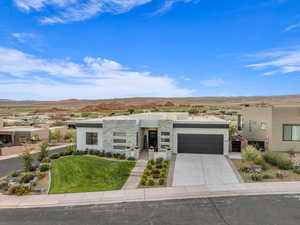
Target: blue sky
59	49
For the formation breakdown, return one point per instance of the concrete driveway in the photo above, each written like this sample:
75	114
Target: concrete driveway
202	169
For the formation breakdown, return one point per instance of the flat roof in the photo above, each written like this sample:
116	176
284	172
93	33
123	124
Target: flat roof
7	129
177	117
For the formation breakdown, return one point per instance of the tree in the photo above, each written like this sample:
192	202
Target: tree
27	160
43	151
232	130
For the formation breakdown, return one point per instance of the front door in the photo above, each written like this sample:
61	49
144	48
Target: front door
152	138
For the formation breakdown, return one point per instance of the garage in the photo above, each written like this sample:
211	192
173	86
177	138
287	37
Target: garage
200	143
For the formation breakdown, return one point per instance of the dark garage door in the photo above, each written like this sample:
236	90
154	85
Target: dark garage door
200	143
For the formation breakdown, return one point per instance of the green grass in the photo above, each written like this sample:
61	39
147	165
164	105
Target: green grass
85	174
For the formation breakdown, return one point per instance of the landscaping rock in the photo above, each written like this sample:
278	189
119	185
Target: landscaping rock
255	170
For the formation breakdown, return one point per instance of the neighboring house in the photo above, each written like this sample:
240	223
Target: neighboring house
183	134
18	135
275	128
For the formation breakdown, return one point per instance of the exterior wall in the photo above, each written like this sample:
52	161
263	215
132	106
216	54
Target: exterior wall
81	138
165	126
256	133
224	132
281	116
129	126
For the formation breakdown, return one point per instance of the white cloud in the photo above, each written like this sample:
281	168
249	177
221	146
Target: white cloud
23	37
39	78
278	61
168	4
292	27
67	11
212	82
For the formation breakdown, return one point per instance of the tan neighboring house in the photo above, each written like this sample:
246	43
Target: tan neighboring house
275	128
17	135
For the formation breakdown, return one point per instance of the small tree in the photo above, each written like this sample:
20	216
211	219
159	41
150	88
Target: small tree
27	160
43	151
232	130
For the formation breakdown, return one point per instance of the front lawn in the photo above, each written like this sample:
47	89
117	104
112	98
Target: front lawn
87	173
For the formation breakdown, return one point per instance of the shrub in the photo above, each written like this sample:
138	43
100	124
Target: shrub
161	181
33	168
250	154
267	176
278	160
279	175
54	156
162	175
61	154
159	166
12	189
297	171
159	160
101	153
43	151
44	167
151	182
27	160
147	172
108	154
92	152
122	156
131	158
116	155
3	184
261	162
151	162
256	176
155	171
143	181
149	167
46	160
14	174
22	190
156	176
27	178
165	164
40	175
70	150
244	169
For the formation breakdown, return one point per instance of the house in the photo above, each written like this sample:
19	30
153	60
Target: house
177	131
273	128
18	135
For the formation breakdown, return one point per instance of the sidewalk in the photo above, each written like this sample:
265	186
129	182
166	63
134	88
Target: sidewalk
149	194
33	152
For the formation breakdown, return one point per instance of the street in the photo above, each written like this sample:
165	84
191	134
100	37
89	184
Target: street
245	210
9	165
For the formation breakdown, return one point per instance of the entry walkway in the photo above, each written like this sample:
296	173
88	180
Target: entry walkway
203	169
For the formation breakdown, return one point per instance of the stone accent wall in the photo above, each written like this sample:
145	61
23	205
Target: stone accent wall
130	127
165	126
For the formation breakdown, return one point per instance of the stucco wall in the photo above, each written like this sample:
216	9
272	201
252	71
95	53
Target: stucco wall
130	127
224	132
165	126
260	115
284	115
81	138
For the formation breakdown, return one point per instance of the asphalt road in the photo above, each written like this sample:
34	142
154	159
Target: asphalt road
9	165
251	210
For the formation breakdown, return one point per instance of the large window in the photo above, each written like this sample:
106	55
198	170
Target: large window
91	138
118	140
291	132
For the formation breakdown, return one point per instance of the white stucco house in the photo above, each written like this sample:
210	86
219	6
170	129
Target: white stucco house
178	132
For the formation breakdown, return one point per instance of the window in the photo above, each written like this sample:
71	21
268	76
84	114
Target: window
165	140
119	140
91	138
119	147
120	134
165	133
263	126
291	132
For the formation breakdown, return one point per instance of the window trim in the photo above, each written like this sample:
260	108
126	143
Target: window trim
298	125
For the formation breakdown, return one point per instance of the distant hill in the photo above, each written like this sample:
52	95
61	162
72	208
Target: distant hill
136	102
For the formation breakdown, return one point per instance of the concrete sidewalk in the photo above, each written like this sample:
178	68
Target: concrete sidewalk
149	194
